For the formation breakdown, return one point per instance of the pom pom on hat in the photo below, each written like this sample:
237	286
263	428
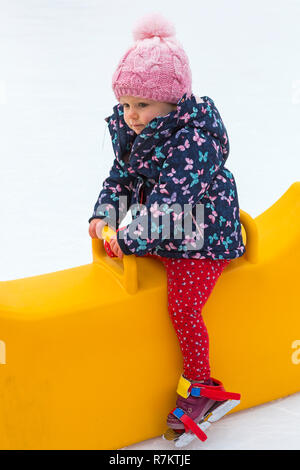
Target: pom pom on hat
152	25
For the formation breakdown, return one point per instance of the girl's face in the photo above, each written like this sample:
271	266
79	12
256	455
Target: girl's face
138	112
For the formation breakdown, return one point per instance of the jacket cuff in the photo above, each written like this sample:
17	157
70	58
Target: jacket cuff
96	217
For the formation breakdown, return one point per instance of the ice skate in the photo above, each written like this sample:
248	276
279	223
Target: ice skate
197	407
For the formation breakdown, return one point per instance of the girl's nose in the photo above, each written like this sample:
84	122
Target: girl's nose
132	114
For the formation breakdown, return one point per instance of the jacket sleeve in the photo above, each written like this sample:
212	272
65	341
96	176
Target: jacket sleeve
184	178
114	199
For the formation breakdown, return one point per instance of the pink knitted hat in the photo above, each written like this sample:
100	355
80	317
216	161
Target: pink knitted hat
156	66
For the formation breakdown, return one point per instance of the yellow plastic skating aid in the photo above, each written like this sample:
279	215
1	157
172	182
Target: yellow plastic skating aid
65	336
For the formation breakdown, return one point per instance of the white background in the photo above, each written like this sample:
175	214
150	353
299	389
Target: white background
56	63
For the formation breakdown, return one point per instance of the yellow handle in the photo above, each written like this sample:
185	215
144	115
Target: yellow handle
128	276
251	245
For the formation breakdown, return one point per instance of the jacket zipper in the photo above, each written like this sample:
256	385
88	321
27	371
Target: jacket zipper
142	195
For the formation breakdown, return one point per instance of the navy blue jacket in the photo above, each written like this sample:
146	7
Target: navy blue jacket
176	160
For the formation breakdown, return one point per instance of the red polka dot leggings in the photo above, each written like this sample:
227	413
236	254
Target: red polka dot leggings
190	283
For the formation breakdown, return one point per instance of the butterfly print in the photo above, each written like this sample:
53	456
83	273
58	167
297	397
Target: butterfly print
189	165
171	199
186	145
197	138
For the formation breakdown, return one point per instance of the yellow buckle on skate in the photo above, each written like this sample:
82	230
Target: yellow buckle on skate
183	387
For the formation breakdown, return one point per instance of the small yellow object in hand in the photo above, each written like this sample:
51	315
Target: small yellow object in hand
110	236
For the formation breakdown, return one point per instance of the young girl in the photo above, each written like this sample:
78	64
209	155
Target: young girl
170	150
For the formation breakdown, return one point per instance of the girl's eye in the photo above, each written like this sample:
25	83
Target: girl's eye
142	105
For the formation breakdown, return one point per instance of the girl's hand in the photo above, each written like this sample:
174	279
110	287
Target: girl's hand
114	245
95	228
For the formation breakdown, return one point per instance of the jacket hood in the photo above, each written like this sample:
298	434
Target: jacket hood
192	112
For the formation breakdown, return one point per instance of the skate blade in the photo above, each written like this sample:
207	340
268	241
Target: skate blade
207	421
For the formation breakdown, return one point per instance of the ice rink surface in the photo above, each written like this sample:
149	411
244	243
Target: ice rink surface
271	426
57	59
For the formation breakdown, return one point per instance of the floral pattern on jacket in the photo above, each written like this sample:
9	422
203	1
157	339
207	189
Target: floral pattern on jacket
176	159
